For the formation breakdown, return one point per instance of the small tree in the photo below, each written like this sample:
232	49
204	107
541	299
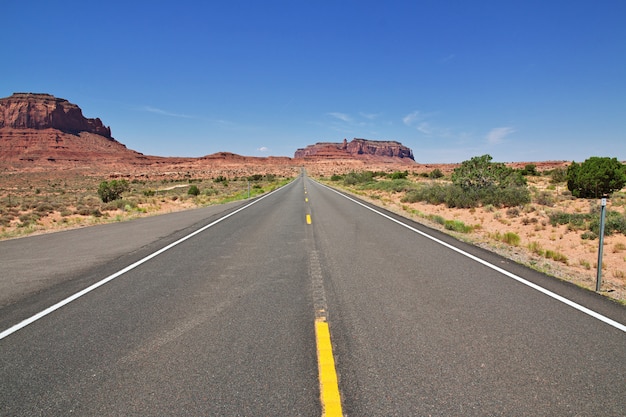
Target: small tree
480	173
596	177
112	190
480	181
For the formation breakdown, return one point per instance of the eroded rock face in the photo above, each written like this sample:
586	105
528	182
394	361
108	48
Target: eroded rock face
355	148
44	111
42	130
379	148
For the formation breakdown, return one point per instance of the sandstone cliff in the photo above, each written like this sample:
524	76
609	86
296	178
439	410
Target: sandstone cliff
44	111
40	129
356	148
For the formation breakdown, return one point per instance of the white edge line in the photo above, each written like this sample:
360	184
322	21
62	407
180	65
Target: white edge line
549	293
111	277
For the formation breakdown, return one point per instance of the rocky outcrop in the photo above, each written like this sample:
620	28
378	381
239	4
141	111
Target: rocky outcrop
356	148
40	130
379	148
44	111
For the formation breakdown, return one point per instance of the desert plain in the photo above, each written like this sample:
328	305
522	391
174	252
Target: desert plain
45	200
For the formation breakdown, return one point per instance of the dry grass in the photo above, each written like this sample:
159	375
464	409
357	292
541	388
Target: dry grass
36	202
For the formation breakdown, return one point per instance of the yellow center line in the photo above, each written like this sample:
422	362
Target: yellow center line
329	388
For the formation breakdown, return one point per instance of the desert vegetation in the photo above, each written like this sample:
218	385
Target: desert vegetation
526	214
33	202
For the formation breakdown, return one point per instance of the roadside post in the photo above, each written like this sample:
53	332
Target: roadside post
599	274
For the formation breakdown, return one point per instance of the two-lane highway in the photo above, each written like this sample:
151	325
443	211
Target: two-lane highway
224	323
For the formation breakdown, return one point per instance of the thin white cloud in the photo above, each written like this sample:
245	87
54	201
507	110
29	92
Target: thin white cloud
437	131
341	116
263	149
223	122
370	116
411	117
497	134
425	128
155	110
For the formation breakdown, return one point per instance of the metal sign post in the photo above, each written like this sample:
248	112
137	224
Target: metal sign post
599	274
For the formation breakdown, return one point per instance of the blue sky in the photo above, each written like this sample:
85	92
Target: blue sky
520	80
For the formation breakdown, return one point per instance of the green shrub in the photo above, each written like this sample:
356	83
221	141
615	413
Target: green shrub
431	194
353	178
83	211
588	236
112	190
558	175
45	208
336	177
455	196
398	175
536	248
28	218
457	226
557	256
437	219
193	190
435	174
511	238
5	220
544	198
480	173
578	220
396	186
614	223
513	212
529	169
506	197
596	177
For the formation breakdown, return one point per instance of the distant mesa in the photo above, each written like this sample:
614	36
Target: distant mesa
44	111
40	129
356	148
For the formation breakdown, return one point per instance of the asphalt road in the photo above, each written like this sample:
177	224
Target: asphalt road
222	323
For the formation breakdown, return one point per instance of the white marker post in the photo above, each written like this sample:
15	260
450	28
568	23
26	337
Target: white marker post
599	274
